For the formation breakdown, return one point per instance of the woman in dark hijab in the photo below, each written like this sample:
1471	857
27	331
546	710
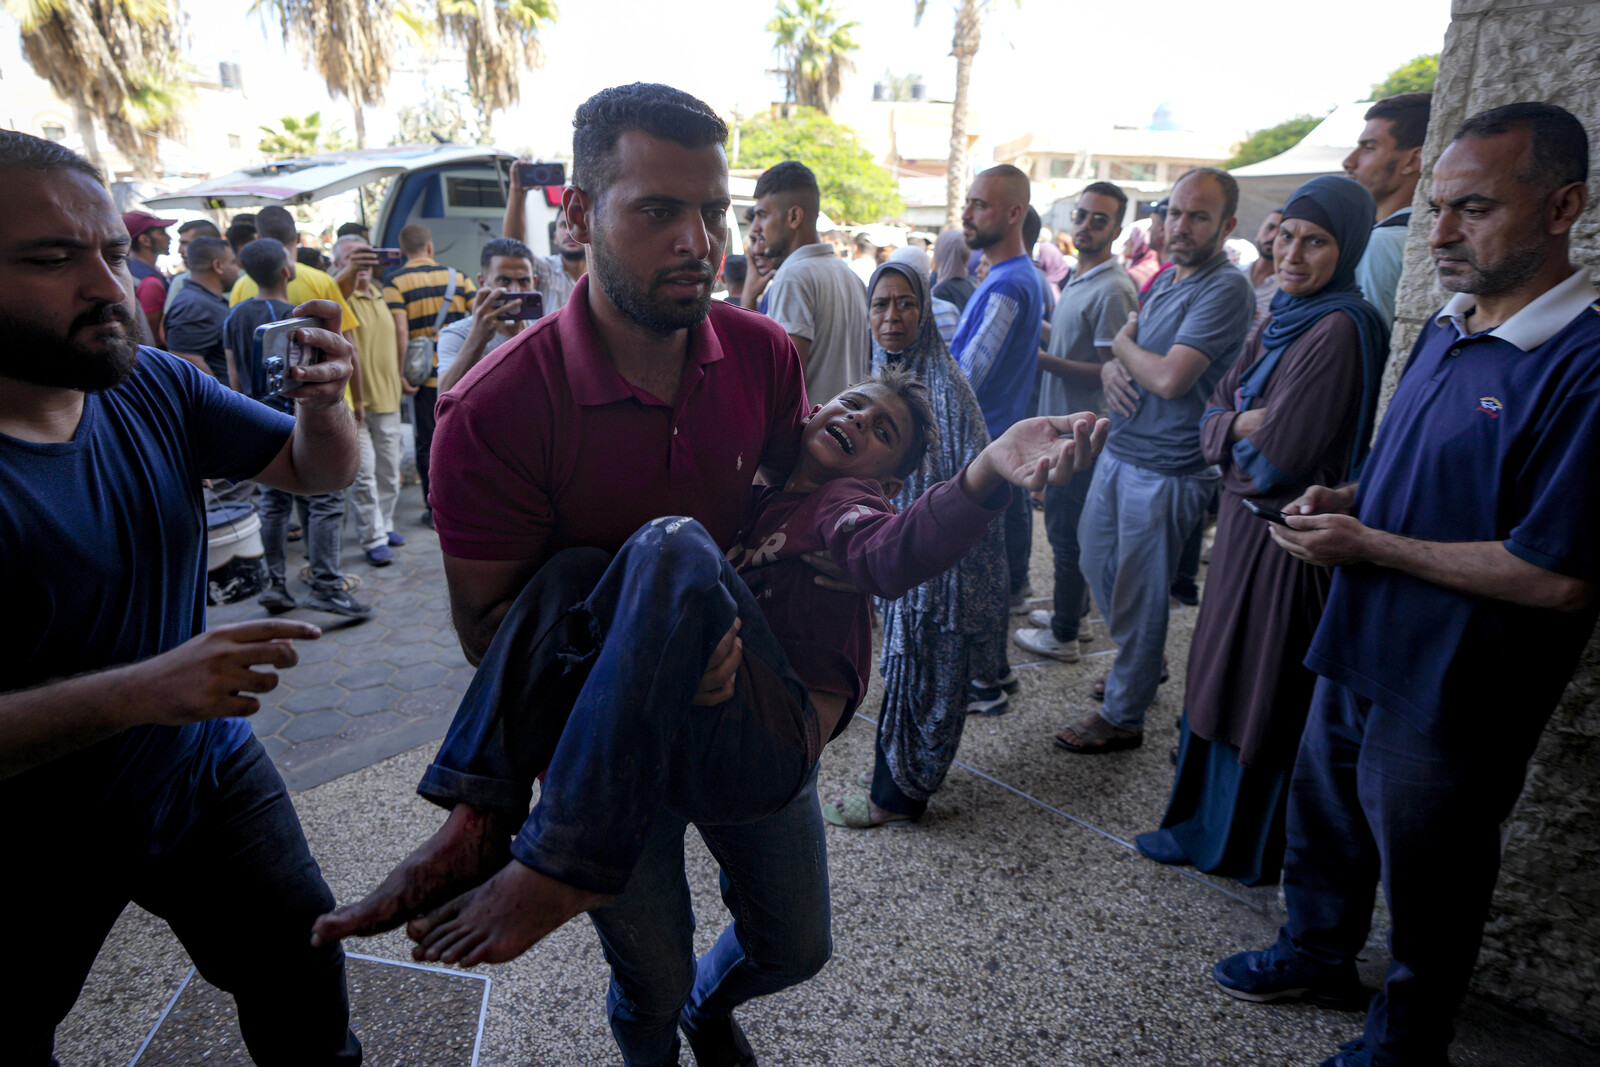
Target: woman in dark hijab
1295	410
946	632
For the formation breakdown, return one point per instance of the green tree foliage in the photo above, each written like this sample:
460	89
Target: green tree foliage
854	188
296	136
350	42
113	61
500	39
813	45
1264	144
1416	76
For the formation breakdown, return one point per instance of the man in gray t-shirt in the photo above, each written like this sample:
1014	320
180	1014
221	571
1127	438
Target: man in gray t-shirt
1151	484
1093	308
815	296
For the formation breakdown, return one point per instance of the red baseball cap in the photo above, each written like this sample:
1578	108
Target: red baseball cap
138	222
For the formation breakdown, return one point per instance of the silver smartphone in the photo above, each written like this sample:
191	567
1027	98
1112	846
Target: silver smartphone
277	353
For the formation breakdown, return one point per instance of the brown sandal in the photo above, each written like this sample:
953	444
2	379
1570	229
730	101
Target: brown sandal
1094	736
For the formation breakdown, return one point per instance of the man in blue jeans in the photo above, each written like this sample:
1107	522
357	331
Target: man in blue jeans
640	398
126	770
1470	542
1152	483
1093	308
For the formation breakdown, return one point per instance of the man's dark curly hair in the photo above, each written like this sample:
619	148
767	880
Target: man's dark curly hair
659	110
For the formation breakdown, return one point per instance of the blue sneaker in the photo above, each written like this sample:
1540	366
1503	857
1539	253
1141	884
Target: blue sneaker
1281	973
380	556
396	539
1351	1054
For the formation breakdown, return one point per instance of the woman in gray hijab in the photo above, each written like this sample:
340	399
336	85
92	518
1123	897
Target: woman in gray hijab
944	633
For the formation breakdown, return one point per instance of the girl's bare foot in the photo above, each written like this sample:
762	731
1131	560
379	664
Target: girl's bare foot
466	849
499	920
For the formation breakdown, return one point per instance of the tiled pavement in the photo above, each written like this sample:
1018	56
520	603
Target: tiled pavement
369	688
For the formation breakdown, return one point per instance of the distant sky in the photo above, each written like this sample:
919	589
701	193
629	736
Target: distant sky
1228	66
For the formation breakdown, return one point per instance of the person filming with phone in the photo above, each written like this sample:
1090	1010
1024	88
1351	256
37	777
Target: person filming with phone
506	304
126	767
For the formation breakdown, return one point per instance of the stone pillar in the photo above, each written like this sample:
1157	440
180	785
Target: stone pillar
1541	946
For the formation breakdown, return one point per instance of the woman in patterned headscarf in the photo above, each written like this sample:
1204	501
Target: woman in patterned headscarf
944	633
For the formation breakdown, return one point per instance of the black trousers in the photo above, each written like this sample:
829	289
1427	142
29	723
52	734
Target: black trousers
238	887
422	410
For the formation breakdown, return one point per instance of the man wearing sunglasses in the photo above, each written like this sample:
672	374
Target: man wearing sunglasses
1094	305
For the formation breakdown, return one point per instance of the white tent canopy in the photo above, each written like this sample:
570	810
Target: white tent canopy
1266	185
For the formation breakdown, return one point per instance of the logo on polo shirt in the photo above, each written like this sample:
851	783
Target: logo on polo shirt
1490	406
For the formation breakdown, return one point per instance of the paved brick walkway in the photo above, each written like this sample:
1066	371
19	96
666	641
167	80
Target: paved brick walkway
369	688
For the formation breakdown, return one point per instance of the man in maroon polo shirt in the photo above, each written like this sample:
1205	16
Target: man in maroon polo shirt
641	398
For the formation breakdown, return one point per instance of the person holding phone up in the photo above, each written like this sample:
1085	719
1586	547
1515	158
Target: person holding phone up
127	770
1296	409
506	304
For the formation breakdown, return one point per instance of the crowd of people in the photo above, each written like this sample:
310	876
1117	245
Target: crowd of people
667	522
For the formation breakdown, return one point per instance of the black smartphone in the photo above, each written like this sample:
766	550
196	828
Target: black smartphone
521	306
533	175
277	352
389	258
1270	514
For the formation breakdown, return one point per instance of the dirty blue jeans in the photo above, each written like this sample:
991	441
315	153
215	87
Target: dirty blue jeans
1134	524
593	673
324	520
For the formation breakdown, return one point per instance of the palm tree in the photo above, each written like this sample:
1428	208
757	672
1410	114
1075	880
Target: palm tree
115	61
352	43
814	47
300	137
963	45
501	40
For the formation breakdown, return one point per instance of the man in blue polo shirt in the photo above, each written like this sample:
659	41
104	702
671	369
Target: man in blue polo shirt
1473	541
997	344
1152	484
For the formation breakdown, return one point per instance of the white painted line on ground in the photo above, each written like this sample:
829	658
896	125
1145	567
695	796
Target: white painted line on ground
1087	825
164	1013
483	1005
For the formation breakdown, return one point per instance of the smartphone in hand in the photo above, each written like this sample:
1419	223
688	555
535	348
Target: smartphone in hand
276	353
521	306
1262	512
533	175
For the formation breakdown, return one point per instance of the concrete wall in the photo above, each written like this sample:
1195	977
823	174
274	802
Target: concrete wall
1541	951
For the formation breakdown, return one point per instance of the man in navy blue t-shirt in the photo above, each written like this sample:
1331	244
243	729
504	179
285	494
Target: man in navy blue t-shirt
1472	542
124	768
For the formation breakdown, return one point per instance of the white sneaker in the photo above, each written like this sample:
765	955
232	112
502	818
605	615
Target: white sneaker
1040	617
1042	642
